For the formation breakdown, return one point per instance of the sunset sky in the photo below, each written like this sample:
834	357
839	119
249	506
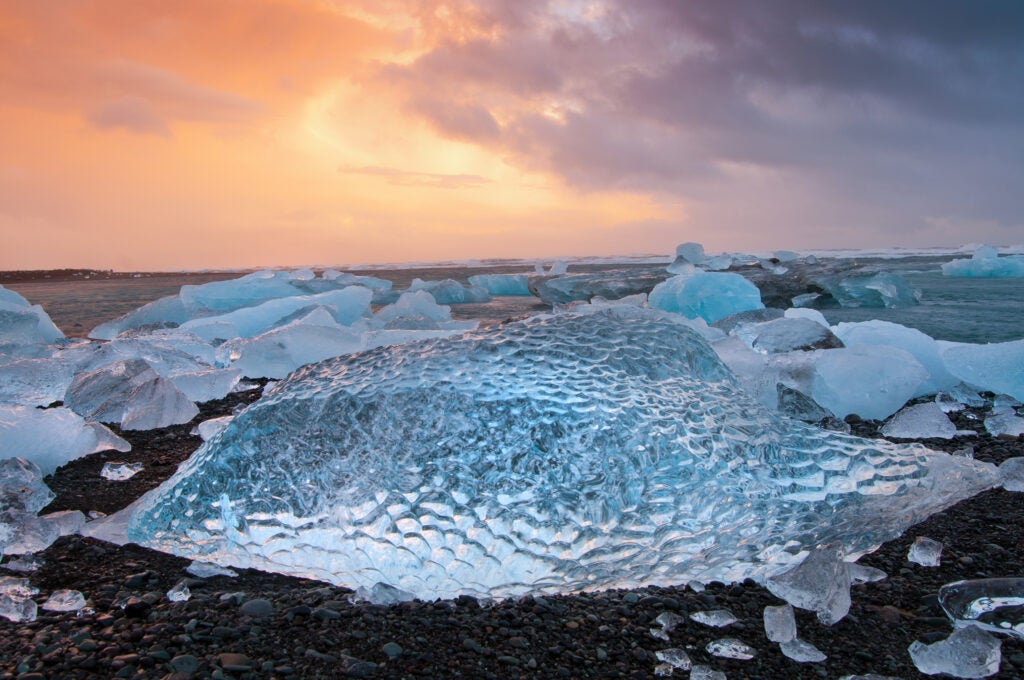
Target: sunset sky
147	134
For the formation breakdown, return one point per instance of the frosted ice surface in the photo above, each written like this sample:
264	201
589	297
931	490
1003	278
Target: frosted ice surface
883	289
35	382
280	351
680	266
450	291
207	385
968	653
168	310
821	583
502	284
802	652
787	335
731	648
23	323
717	263
52	437
64	601
806	313
995	604
559	453
925	551
344	279
209	570
1012	474
708	295
611	285
558	268
24	564
208	428
921	346
413	304
1004	421
706	673
996	367
718	618
179	592
873	381
986	263
21	487
920	421
16	603
118	472
786	255
677	658
691	252
861	573
779	623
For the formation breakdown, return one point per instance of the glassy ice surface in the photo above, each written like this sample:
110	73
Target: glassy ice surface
562	453
677	658
706	673
872	381
1004	421
925	551
779	623
995	367
922	347
731	648
821	583
787	335
16	603
52	437
860	573
208	428
118	472
995	604
708	295
502	284
718	618
1012	474
969	652
24	564
180	592
802	652
450	292
64	601
986	263
209	570
920	421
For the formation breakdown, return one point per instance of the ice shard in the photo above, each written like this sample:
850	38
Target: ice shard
994	604
560	453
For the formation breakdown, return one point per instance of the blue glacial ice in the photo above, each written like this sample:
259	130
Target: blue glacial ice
502	284
561	453
708	295
451	292
997	367
986	263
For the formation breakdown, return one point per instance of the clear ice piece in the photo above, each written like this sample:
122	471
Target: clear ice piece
994	367
25	564
708	295
995	604
118	472
779	623
920	421
1011	471
802	652
677	658
706	673
16	603
869	676
663	670
969	652
536	456
717	618
986	263
502	284
1004	421
872	381
925	551
860	573
209	570
668	621
52	437
821	583
180	592
731	648
382	593
64	601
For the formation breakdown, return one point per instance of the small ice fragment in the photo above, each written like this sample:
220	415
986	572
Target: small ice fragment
820	583
968	653
382	593
1004	421
16	603
64	601
117	471
925	552
705	673
779	623
208	428
660	634
802	652
180	592
675	658
209	570
1011	472
860	573
719	618
995	604
696	586
25	564
869	676
920	421
663	670
669	621
731	648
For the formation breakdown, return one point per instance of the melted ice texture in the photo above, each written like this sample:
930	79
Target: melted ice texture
556	454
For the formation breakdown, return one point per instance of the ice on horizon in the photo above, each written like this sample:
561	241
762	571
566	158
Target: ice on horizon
561	453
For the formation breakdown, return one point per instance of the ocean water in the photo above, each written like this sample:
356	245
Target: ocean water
951	308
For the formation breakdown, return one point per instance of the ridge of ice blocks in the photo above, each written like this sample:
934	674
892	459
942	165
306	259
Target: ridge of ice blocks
968	653
555	454
920	421
708	295
997	367
995	604
450	291
502	284
610	285
52	437
986	263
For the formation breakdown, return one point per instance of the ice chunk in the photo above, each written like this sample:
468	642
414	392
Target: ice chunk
23	323
681	267
708	295
1004	421
415	304
717	263
873	381
786	255
677	658
382	593
921	346
35	381
1012	474
21	486
718	618
861	573
209	570
449	291
802	652
207	385
995	604
968	653
179	592
821	583
24	564
706	673
344	279
787	335
130	393
118	472
869	676
246	291
779	623
996	367
796	404
502	284
691	252
920	421
32	534
52	437
986	263
668	621
278	352
559	453
925	551
64	601
611	285
731	648
806	313
208	428
16	603
883	289
558	268
167	311
750	316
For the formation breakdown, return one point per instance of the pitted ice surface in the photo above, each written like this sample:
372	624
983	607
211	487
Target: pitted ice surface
556	454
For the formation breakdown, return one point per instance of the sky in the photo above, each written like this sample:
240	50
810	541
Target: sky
154	135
